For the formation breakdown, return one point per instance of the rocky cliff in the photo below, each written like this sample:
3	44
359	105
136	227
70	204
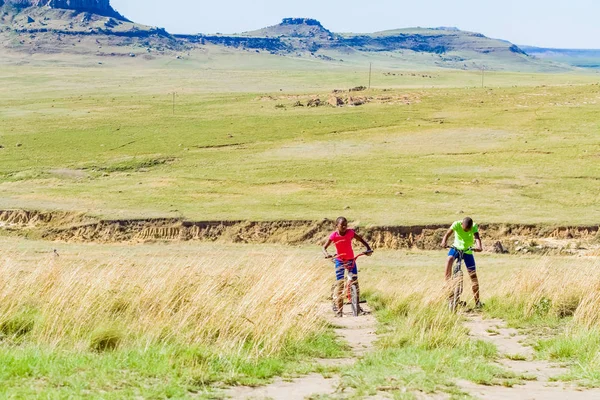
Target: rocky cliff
100	7
294	28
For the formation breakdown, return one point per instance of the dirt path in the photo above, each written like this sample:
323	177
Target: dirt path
358	332
510	344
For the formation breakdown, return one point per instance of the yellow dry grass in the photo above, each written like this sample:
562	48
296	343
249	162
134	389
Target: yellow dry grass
522	287
257	297
231	302
560	288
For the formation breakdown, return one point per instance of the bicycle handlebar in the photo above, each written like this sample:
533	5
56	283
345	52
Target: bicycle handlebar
453	247
364	253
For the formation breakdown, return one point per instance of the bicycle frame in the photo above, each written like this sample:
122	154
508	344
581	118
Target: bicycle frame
349	266
458	263
457	278
351	281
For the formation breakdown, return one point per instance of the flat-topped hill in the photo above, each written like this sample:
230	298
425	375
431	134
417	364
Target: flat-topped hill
90	28
57	26
294	28
100	7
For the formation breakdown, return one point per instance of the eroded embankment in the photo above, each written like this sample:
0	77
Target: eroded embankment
75	227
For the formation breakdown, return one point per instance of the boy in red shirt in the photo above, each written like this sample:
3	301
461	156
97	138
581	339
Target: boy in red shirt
342	238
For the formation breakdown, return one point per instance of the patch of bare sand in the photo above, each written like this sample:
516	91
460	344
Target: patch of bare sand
297	389
529	391
358	332
510	344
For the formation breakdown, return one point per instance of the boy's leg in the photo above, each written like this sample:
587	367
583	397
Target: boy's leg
333	289
448	272
355	280
475	283
338	289
338	297
449	262
470	264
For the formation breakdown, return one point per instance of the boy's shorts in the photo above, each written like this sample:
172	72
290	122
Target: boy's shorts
339	268
469	259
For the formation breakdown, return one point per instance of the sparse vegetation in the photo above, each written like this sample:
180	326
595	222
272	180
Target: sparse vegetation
513	140
531	293
516	357
251	143
218	319
132	164
195	321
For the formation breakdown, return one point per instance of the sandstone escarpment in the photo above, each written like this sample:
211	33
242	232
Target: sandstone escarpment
101	7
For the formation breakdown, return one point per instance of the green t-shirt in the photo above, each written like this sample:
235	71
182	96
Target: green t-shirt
463	240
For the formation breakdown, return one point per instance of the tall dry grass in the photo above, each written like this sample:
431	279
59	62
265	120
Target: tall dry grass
256	301
234	303
418	296
555	287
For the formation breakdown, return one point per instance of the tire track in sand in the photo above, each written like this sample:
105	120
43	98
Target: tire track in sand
509	343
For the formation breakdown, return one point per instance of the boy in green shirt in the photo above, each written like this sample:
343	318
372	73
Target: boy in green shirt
466	235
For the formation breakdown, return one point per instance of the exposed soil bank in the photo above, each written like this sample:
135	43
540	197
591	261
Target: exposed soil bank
74	227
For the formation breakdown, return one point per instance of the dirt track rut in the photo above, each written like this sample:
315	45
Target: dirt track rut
510	343
358	332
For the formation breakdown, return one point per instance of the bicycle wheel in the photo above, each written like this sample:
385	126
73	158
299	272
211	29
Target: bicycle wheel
354	300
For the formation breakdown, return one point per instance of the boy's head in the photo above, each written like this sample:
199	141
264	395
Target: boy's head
341	225
467	224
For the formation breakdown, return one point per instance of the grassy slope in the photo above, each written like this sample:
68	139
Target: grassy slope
114	122
523	151
467	50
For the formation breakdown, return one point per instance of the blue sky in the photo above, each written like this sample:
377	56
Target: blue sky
549	23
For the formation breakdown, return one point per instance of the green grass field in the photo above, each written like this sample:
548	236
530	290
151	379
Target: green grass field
104	140
188	319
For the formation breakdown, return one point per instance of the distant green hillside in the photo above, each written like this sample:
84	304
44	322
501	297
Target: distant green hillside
401	48
44	30
304	34
583	58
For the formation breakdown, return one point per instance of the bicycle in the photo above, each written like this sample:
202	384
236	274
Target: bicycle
457	280
351	284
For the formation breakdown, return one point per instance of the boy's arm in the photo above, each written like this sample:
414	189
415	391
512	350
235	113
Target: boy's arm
446	236
364	242
479	247
325	246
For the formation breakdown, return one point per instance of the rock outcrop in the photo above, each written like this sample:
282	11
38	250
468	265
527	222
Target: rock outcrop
301	21
100	7
295	28
309	36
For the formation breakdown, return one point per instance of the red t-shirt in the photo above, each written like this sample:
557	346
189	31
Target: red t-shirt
343	244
